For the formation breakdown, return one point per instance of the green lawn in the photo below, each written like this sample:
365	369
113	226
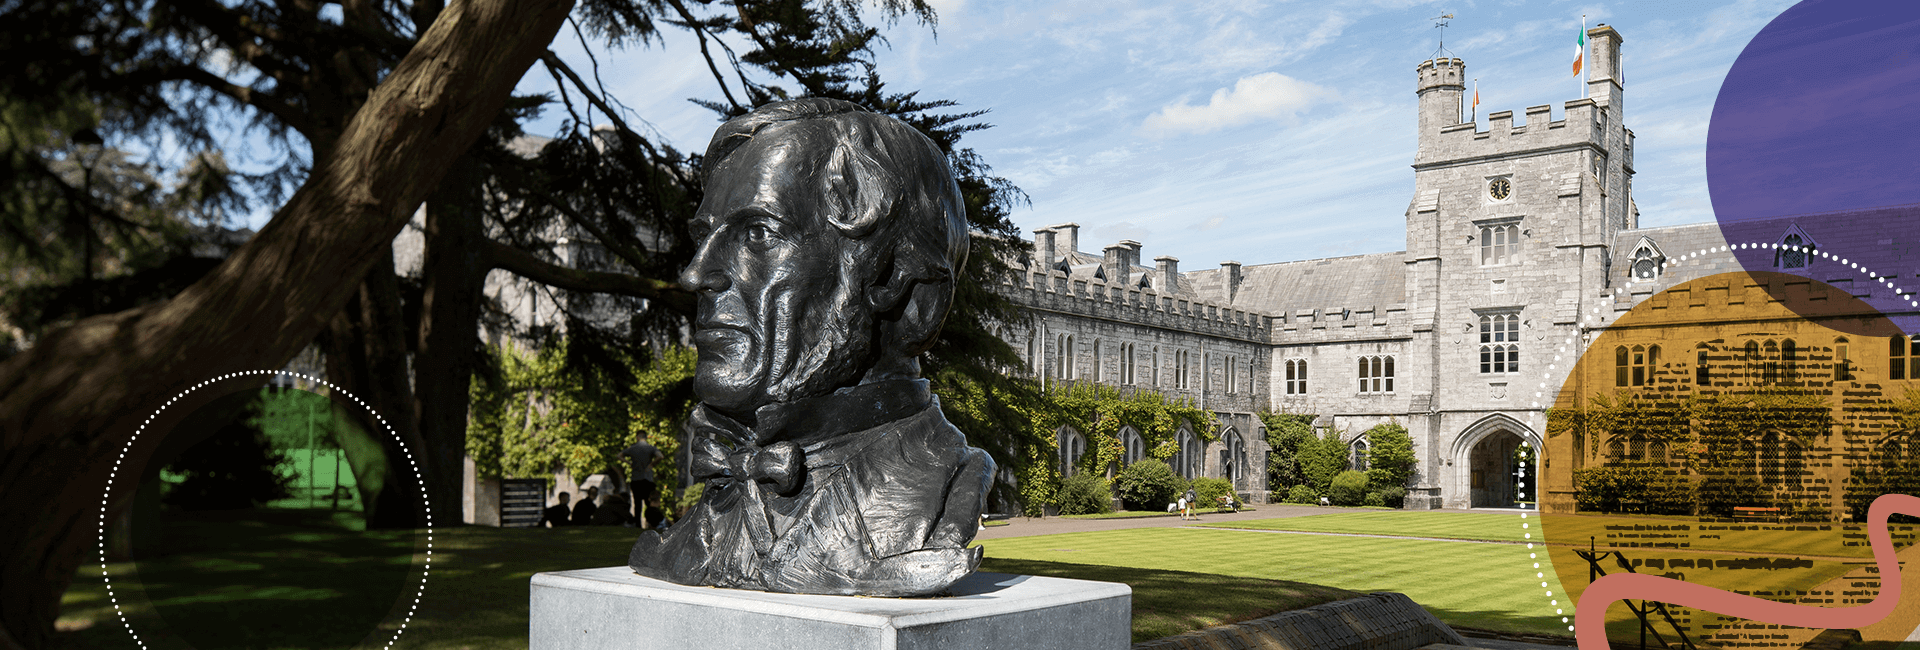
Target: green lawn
282	579
1166	603
1446	525
1486	586
1123	514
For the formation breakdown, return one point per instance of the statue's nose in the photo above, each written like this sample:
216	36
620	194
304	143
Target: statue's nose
696	278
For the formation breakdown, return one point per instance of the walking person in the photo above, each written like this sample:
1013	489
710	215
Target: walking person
1186	505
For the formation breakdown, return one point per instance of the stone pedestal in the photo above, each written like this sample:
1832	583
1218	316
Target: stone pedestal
612	608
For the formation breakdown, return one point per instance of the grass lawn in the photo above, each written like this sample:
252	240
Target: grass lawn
1166	603
1122	514
294	581
1484	586
1738	557
1445	525
279	580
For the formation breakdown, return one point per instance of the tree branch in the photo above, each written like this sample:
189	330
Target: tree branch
524	264
292	117
700	30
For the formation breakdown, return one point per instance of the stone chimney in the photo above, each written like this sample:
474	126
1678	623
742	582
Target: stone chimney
1072	243
1118	268
1133	251
1169	273
1231	271
1043	248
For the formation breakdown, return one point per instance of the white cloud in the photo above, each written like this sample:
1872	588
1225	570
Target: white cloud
1264	96
1210	224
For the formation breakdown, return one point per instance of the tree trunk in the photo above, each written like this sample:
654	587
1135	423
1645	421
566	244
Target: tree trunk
452	276
69	405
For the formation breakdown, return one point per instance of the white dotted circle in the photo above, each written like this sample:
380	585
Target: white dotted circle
426	505
1596	321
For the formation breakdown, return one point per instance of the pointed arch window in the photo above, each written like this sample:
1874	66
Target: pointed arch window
1126	363
1073	446
1180	369
1296	383
1770	364
1136	446
1842	364
1647	262
1702	371
1099	363
1499	244
1795	250
1186	461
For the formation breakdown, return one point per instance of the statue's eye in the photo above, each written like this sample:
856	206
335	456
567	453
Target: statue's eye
760	235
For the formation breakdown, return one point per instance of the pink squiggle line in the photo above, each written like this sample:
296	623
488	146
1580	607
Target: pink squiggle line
1590	617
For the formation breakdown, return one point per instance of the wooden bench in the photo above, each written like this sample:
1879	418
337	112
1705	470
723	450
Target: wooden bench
1748	513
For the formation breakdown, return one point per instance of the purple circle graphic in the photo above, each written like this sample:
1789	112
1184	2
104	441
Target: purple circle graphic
1813	152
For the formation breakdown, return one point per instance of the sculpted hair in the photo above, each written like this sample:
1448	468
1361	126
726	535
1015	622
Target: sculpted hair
887	187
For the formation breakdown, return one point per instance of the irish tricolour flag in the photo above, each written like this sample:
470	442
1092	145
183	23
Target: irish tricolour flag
1580	46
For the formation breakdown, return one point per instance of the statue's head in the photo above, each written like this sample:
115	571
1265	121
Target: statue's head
826	250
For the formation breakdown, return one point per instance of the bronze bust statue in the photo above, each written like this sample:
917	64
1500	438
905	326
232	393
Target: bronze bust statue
828	243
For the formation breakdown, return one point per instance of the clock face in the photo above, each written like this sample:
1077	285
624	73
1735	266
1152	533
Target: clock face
1499	189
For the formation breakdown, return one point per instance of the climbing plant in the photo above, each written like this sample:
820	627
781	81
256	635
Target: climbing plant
1097	412
531	414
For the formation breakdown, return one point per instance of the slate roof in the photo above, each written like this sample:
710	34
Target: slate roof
1371	280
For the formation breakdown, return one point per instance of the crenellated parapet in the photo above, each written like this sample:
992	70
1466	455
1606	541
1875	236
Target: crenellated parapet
1342	324
1583	125
1126	303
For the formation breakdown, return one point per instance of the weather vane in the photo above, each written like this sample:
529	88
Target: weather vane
1440	23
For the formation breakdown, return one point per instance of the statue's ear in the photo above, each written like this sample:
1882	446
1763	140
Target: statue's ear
910	309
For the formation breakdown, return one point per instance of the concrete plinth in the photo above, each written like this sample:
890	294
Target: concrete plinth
612	608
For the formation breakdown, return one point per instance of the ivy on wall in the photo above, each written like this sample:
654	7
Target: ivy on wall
534	415
1096	411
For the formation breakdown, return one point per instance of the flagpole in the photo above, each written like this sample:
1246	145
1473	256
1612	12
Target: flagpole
1581	57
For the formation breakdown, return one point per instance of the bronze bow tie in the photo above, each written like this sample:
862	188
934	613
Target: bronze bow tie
779	463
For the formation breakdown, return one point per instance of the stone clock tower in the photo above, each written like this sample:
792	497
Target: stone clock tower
1508	239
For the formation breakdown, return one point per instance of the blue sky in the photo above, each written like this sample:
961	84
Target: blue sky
1256	132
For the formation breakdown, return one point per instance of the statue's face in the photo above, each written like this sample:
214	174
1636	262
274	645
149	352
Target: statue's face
777	320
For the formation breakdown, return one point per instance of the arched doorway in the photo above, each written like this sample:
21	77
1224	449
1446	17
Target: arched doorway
1497	457
1497	468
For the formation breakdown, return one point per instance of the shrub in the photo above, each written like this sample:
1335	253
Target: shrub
1207	491
1148	485
1349	488
1642	489
237	467
1302	494
1321	459
1286	432
1390	458
1719	494
1084	494
1393	497
1897	476
1374	499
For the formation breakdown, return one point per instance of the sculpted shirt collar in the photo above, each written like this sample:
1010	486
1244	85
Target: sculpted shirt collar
813	420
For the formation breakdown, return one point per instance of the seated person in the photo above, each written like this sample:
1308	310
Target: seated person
583	511
611	511
555	515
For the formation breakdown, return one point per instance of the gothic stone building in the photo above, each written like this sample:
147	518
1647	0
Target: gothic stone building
1523	247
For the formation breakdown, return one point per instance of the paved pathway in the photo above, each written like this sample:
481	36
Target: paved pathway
1028	527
